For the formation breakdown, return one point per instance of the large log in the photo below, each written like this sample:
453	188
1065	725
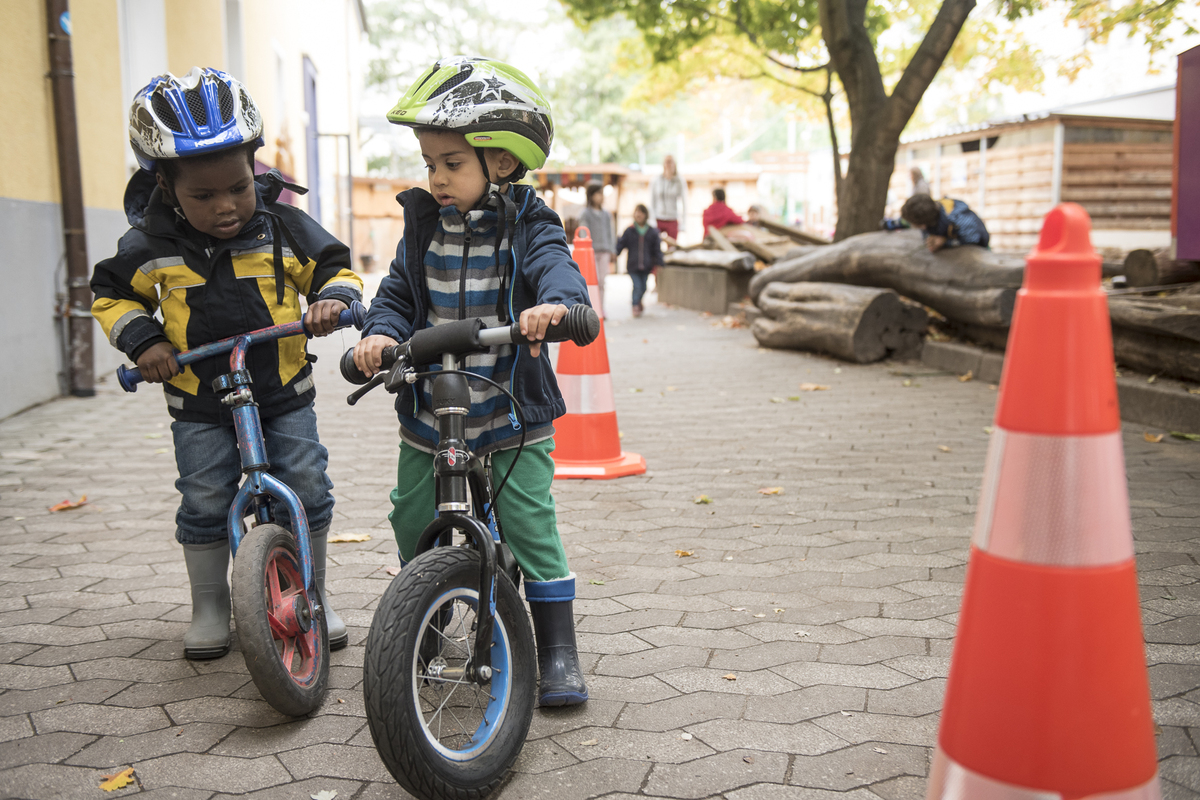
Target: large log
795	234
854	323
966	284
1154	268
736	261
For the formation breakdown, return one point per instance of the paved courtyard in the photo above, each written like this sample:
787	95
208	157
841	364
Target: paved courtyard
756	647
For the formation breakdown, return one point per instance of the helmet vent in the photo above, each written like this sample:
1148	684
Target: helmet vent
195	104
163	110
452	82
225	97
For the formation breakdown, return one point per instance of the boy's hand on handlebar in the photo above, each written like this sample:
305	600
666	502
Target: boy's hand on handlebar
537	320
158	363
368	353
322	316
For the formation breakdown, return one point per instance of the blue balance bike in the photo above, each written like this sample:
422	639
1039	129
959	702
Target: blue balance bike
280	616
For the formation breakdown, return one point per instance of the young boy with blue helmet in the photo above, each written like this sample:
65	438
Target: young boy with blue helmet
478	245
213	251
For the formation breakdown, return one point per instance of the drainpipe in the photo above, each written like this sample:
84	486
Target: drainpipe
80	369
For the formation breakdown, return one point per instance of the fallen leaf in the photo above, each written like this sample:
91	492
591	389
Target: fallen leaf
778	400
779	611
324	794
634	391
794	397
595	582
909	382
590	742
672	389
1152	379
814	387
879	750
153	435
943	448
1194	391
393	571
759	616
340	700
1194	437
772	490
803	633
727	558
988	430
684	553
1153	438
748	759
755	525
620	434
970	375
67	504
118	780
730	677
740	608
847	714
350	537
702	500
161	450
687	737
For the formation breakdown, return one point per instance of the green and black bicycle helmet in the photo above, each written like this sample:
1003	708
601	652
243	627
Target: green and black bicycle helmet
491	103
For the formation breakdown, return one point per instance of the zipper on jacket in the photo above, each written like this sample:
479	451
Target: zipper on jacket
462	278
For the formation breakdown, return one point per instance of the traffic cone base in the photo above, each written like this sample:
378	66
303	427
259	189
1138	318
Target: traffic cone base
591	448
952	781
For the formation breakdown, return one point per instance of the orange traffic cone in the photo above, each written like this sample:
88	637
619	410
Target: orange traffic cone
587	443
1048	695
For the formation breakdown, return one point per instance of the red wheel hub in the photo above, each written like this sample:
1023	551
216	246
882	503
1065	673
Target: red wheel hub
290	616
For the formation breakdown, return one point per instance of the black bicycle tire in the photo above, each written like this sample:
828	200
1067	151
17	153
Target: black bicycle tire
275	682
388	679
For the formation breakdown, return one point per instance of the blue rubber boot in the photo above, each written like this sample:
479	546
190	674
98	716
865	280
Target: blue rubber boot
560	678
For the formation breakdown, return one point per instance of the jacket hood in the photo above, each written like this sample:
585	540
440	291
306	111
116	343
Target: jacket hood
148	211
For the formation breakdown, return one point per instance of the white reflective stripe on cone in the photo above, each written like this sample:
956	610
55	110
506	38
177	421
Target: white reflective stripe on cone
587	394
594	297
1055	500
949	780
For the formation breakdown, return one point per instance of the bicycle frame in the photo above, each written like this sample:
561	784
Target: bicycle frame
259	486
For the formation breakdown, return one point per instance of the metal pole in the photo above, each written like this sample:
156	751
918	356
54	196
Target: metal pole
81	370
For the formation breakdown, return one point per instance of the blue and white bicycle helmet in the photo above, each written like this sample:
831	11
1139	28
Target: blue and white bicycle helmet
203	112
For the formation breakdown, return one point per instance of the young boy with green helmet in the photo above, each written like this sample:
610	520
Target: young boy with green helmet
477	245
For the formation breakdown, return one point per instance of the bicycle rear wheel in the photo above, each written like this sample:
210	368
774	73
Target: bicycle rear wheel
285	644
447	738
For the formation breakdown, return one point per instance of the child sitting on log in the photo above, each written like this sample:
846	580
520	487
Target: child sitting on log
944	223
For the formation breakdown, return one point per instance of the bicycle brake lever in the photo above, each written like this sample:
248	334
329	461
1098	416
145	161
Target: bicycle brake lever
376	379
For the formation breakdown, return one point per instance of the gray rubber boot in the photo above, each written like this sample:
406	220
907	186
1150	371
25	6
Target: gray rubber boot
208	567
339	637
560	677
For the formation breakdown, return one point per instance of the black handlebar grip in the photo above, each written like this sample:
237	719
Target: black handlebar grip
581	325
350	371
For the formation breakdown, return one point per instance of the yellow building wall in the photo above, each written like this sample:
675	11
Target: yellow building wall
195	35
28	152
28	170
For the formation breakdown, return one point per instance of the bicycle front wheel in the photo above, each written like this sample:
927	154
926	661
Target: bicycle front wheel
283	639
444	737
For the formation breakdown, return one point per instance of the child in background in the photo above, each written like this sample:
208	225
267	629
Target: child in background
216	253
599	223
479	245
945	223
718	215
645	253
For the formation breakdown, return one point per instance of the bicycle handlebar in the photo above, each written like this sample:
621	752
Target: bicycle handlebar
355	315
581	325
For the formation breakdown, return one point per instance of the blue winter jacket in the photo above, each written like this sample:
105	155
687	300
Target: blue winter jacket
541	271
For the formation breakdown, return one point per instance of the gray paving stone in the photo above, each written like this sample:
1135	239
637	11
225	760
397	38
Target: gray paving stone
802	738
51	782
681	711
335	761
128	749
660	747
212	773
579	781
101	720
720	773
17	702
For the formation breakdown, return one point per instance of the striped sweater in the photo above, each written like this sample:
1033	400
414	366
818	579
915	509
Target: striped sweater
464	282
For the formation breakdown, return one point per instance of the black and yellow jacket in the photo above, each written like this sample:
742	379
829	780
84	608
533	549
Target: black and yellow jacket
208	289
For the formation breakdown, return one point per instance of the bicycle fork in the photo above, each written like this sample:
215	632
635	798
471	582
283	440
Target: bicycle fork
454	467
260	487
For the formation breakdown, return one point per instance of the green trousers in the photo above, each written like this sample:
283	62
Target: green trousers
526	507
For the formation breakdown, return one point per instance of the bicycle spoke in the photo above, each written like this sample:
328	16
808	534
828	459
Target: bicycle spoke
278	630
289	653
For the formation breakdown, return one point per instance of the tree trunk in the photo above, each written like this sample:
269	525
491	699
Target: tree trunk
851	322
965	284
1153	268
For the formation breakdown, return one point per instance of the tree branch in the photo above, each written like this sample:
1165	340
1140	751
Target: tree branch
925	63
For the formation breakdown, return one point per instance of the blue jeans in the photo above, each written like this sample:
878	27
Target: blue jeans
639	285
210	471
